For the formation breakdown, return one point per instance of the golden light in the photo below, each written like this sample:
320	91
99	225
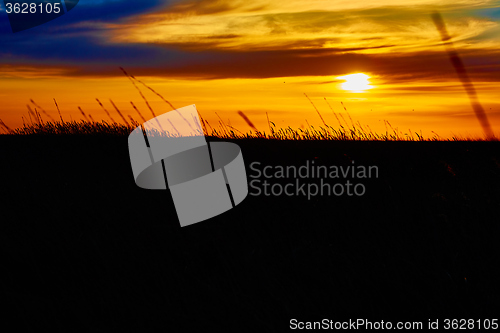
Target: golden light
355	82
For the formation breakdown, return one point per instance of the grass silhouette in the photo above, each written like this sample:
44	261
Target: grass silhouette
88	126
225	131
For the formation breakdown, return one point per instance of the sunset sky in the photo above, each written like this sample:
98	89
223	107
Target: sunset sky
260	56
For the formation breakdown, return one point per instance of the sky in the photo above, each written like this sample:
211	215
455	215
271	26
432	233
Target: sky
260	57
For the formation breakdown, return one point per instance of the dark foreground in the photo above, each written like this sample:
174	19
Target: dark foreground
84	249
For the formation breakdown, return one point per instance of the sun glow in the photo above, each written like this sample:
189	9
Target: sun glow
355	82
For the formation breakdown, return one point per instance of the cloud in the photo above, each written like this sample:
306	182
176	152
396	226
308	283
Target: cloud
102	11
392	68
407	28
259	39
30	71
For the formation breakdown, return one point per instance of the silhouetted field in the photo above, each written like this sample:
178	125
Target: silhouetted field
346	132
85	249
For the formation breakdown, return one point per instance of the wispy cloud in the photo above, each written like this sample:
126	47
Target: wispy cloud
241	39
281	24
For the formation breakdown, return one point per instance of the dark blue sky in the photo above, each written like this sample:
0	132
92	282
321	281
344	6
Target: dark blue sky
75	38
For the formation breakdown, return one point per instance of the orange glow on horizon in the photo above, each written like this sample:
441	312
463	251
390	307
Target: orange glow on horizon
382	61
428	107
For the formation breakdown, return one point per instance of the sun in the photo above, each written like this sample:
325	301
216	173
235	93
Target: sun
355	82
